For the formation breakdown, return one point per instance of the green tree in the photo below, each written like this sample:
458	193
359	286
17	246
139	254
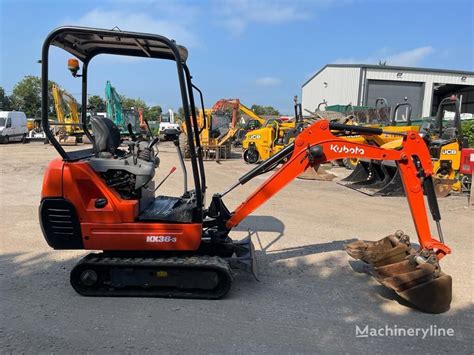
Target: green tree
468	132
265	110
154	113
259	110
26	96
271	111
97	103
5	104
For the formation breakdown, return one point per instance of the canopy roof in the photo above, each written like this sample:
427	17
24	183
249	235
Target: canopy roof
85	43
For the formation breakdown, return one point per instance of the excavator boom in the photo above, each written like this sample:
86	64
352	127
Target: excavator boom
317	145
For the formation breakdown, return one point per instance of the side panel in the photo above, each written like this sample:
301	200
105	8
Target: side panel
141	236
53	179
82	186
70	219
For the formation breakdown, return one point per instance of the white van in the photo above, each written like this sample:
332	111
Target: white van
12	126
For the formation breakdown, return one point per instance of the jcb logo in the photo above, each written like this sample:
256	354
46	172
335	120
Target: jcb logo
449	151
160	239
255	136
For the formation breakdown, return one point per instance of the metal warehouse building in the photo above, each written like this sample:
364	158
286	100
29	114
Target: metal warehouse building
361	85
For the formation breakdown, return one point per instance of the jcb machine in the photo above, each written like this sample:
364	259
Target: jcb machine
68	129
444	143
264	142
174	246
215	126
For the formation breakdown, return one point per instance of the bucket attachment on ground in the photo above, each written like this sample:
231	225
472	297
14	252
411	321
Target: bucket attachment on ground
388	250
375	178
317	173
443	187
414	276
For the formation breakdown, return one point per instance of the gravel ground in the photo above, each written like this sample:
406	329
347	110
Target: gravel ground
310	297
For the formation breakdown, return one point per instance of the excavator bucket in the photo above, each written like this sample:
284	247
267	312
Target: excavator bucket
388	250
399	267
375	178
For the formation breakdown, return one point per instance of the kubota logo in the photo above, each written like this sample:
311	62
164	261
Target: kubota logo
449	151
160	239
343	149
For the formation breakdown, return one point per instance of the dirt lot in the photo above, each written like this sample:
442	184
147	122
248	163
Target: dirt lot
310	297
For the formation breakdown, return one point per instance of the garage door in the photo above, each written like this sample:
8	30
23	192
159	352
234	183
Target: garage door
396	92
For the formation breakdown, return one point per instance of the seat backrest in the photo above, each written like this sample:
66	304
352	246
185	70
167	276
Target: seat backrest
106	134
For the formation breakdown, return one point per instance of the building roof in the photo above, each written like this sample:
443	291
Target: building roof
390	67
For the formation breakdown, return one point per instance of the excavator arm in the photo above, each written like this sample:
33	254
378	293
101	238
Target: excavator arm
317	144
414	275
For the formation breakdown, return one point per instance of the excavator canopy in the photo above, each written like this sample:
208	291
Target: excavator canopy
84	44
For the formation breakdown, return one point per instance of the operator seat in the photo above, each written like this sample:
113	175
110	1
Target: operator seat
107	137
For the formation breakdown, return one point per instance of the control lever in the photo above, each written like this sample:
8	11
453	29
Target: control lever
173	169
131	133
152	143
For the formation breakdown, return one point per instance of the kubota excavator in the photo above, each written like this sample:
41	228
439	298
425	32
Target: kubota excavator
173	246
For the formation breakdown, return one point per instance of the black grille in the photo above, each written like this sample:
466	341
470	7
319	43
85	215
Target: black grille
60	224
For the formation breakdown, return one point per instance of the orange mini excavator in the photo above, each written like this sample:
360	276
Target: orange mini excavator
103	199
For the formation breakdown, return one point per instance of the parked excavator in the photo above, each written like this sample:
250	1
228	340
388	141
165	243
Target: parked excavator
216	128
120	116
67	128
173	246
444	140
254	122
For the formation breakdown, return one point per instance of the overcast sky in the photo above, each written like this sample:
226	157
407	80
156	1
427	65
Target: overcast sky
258	51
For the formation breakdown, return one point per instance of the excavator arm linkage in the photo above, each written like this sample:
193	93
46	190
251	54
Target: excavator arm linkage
415	275
317	144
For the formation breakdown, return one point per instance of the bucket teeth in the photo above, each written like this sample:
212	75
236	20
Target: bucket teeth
414	276
388	250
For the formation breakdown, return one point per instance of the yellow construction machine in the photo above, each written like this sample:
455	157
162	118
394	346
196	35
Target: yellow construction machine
444	140
68	127
216	129
273	136
393	138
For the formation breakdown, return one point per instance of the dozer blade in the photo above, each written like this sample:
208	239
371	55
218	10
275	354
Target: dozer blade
421	284
317	173
388	250
383	179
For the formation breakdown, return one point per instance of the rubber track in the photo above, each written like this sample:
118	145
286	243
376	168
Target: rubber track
104	263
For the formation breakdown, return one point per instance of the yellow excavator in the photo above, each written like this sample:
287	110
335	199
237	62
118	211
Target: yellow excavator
444	140
68	127
396	127
216	129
